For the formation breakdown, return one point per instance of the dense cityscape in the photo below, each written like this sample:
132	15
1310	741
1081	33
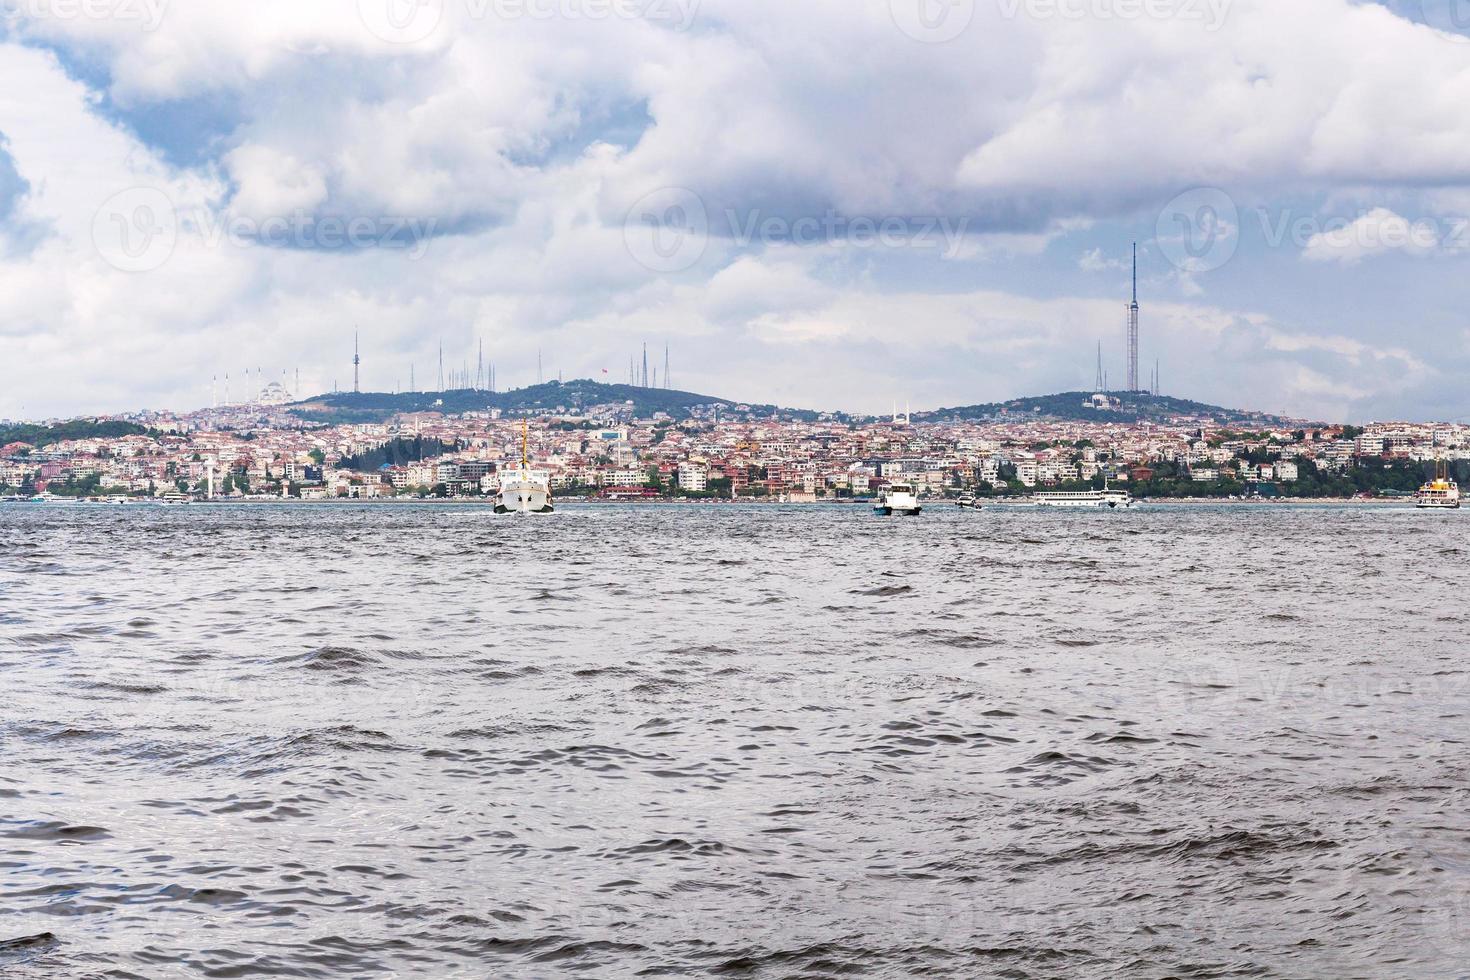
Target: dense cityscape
267	449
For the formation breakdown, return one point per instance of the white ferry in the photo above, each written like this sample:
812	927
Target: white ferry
523	490
1441	493
897	498
1105	498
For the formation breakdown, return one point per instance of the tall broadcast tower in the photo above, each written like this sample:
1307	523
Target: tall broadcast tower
1133	328
356	360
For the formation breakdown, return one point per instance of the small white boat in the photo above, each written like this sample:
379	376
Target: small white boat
1104	499
523	490
968	500
897	498
1441	493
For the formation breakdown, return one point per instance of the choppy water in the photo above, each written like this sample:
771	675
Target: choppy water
745	742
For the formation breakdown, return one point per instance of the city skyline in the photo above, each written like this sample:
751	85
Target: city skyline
962	236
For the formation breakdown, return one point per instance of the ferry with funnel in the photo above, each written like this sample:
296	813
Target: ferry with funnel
1441	493
524	490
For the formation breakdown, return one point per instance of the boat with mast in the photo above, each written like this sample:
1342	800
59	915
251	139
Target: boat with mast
524	490
1440	493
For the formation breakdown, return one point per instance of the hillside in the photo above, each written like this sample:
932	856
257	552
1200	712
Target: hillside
45	435
1135	407
581	396
569	398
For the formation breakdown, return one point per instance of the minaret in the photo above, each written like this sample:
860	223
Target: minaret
356	360
1133	328
1100	384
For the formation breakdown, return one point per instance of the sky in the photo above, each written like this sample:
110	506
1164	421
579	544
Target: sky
831	204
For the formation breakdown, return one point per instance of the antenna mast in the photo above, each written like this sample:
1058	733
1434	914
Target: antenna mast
1133	327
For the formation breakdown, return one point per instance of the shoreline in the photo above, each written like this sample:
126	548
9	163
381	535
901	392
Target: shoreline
1014	503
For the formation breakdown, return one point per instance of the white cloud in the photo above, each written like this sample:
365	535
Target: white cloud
525	142
1375	233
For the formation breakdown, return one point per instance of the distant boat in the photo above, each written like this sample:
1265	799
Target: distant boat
1441	493
968	500
897	498
523	490
1106	499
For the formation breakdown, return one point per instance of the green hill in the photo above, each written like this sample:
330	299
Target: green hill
1133	407
45	435
555	397
582	396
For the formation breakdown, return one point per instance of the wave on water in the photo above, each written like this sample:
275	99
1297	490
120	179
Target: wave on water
737	742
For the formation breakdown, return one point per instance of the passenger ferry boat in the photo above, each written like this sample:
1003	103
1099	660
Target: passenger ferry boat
1441	493
523	490
897	498
1105	498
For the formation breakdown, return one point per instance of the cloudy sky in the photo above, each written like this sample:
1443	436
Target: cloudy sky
821	203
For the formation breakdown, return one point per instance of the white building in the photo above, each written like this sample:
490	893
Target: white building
693	478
